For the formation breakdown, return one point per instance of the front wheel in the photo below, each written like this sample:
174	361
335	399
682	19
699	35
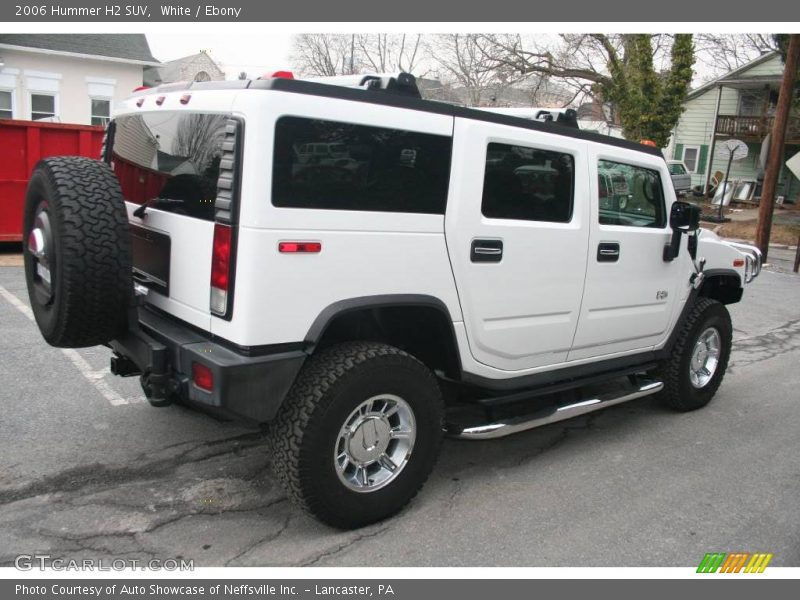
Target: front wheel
699	358
358	434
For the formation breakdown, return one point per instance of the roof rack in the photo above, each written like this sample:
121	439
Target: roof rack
399	84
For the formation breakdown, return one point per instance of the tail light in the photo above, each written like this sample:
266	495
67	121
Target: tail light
202	377
220	269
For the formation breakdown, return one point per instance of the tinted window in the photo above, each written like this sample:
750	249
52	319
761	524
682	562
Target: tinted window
341	166
170	160
676	169
630	195
528	184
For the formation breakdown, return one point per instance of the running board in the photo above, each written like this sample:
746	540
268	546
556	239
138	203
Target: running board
554	414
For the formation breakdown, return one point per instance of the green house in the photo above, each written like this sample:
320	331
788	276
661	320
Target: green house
739	105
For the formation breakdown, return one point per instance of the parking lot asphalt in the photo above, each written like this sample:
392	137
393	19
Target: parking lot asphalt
88	469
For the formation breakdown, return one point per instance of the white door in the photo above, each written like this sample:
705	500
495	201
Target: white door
517	234
630	290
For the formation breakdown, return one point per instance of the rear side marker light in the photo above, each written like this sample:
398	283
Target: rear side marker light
160	100
738	262
202	377
299	247
220	268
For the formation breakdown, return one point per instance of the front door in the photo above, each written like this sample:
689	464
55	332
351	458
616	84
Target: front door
630	290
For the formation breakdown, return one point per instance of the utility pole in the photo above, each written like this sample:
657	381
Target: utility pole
775	158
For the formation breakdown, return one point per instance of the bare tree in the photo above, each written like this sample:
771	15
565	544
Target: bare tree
387	53
461	61
645	77
720	53
324	54
327	54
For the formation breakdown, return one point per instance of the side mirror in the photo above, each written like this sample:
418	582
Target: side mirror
683	218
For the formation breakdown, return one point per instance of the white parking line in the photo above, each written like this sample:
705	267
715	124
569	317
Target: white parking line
95	378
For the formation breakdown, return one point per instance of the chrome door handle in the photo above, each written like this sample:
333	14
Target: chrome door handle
486	251
608	252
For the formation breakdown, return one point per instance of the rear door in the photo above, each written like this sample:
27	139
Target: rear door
630	290
517	234
171	161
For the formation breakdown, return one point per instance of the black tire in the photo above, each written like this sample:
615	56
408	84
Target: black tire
305	432
679	392
76	205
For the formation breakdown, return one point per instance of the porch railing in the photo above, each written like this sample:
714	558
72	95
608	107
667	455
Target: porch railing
755	127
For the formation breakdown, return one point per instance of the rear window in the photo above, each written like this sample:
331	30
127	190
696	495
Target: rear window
343	166
170	160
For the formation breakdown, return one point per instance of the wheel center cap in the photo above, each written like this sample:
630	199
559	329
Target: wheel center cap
369	440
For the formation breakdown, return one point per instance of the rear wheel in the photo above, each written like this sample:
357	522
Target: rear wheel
699	358
358	434
77	252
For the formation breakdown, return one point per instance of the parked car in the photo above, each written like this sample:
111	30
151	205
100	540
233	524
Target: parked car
508	274
681	179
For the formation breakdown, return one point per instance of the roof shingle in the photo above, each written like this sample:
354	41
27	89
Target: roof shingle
126	46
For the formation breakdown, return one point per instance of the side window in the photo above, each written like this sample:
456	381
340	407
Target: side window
630	195
341	166
528	184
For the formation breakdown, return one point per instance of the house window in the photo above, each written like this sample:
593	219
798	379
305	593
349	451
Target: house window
43	106
751	103
6	105
101	111
691	156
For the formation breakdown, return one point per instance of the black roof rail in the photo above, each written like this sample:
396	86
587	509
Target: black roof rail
404	84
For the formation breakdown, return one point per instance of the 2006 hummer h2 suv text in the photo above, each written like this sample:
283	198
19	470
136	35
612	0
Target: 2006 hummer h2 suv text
365	270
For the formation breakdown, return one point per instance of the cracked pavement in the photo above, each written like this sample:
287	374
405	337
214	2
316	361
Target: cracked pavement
634	485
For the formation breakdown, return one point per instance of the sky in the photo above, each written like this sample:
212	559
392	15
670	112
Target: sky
255	54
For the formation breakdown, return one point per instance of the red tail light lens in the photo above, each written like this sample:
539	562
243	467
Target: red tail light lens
220	268
202	377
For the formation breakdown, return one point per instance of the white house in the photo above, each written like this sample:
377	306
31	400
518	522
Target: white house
739	105
69	78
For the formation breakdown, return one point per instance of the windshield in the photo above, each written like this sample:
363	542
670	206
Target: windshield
170	160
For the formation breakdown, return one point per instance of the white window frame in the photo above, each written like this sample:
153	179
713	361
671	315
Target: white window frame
101	88
54	95
43	83
110	108
8	83
696	160
13	93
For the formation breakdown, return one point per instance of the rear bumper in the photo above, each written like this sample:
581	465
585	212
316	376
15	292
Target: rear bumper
164	349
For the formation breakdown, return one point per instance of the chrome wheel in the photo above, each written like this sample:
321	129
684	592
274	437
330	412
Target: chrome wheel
40	248
705	357
375	443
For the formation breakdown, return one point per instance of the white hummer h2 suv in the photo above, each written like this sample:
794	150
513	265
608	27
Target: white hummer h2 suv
366	270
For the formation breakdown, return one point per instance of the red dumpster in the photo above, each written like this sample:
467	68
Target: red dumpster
22	144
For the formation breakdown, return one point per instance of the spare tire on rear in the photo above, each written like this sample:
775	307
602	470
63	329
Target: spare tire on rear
77	252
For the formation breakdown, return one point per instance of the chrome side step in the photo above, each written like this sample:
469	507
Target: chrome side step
554	414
